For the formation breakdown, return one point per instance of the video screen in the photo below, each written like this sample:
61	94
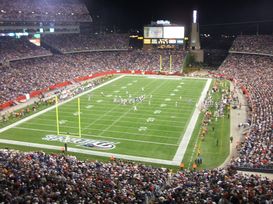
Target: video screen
153	32
174	32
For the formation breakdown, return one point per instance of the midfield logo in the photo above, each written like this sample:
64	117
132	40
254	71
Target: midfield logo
82	142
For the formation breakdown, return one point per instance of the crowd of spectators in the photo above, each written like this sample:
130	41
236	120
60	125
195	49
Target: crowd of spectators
44	10
34	74
36	177
260	44
14	49
83	42
255	73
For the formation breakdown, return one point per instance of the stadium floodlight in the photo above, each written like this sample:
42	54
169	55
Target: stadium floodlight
194	16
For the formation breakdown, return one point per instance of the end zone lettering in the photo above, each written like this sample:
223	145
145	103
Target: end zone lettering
81	141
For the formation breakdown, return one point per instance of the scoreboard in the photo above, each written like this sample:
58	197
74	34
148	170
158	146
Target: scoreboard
164	35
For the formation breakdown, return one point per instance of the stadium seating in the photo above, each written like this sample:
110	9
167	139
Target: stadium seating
80	42
35	74
15	49
44	10
255	44
36	177
255	74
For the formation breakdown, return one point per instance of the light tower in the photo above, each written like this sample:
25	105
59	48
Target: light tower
195	40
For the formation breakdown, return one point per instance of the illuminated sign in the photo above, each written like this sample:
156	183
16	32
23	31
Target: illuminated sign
179	41
154	41
163	41
172	41
147	41
162	22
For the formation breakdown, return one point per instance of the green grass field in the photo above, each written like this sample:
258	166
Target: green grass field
154	130
213	154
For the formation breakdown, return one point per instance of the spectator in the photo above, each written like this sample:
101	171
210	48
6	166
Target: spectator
25	76
36	177
15	49
255	73
80	42
44	10
259	44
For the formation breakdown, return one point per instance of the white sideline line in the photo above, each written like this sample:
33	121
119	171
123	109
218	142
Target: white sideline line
52	107
90	152
194	148
179	155
112	138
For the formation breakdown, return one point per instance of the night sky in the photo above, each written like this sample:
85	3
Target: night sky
133	14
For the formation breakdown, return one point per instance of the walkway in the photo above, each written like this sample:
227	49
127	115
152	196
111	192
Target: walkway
237	116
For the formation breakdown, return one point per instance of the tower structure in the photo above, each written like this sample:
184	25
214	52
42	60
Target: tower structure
195	47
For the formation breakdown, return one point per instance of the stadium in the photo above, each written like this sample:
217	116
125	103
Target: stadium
103	106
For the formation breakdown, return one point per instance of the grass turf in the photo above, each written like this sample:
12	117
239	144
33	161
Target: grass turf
101	119
213	154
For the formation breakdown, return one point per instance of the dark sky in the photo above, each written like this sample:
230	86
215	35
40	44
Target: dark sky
133	14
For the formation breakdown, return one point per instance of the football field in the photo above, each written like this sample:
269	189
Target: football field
145	118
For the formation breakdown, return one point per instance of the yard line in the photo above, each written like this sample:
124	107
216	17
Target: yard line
112	138
156	97
54	106
170	107
102	115
114	122
105	114
167	131
179	155
90	152
181	123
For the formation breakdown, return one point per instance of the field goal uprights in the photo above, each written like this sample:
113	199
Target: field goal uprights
58	122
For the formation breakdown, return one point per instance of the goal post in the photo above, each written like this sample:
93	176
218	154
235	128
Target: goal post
171	63
160	63
79	132
79	117
57	115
